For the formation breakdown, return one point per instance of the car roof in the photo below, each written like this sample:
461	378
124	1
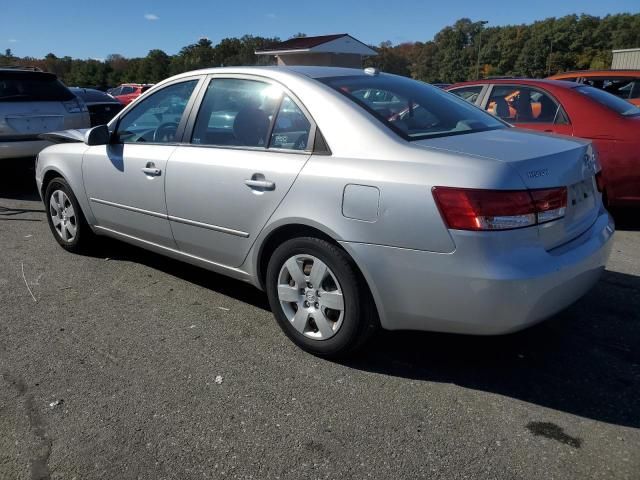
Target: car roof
18	68
597	73
312	72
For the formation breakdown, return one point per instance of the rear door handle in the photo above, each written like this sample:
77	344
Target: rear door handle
151	170
261	184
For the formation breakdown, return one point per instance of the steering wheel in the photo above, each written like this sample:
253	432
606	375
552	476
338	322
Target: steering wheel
165	132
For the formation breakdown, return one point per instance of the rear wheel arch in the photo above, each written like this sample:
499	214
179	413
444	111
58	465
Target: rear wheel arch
282	234
286	232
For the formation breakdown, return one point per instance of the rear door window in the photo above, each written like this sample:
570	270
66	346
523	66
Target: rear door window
236	112
521	104
20	86
291	128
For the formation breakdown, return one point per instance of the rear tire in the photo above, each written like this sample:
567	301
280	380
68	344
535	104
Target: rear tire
66	221
333	317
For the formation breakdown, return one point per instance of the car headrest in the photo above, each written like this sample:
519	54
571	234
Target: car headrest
251	126
502	108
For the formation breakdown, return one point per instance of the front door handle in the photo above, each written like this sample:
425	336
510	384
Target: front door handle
258	181
151	170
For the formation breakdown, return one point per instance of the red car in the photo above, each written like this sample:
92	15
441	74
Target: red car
568	108
622	83
128	92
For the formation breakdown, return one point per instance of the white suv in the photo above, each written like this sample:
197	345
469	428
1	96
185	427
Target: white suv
34	102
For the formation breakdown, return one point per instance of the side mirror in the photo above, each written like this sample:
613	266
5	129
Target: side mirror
99	135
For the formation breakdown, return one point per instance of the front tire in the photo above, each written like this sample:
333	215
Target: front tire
66	221
318	297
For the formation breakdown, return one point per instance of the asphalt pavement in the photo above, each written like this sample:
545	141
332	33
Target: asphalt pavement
123	365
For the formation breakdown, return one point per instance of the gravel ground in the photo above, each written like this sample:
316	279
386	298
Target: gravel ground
125	365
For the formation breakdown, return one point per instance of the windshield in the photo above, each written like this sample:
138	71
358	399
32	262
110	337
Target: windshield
32	87
610	101
413	109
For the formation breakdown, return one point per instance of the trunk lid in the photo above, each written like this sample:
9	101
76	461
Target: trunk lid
28	119
65	136
541	161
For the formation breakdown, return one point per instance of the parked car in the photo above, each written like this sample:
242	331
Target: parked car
621	83
128	92
347	219
34	102
102	106
568	108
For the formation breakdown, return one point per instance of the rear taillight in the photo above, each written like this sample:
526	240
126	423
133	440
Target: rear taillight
470	209
600	181
550	203
75	106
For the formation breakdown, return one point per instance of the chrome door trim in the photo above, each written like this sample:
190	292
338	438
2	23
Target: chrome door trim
208	226
128	207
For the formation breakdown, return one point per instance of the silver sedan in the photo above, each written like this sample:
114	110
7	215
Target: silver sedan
356	199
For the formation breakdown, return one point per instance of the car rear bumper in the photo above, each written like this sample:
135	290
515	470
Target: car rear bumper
491	284
19	149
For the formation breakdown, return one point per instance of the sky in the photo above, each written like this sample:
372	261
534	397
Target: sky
95	29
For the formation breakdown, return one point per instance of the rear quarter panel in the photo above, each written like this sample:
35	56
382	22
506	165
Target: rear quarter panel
407	216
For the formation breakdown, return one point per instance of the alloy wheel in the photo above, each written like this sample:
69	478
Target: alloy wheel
63	216
311	297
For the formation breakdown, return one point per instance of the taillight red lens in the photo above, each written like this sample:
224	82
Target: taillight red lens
471	209
550	203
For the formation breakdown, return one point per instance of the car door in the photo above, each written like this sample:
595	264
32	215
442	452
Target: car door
125	180
248	142
528	107
127	95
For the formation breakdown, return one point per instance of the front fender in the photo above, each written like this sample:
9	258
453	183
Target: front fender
65	160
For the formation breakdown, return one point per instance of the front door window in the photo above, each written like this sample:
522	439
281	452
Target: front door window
156	118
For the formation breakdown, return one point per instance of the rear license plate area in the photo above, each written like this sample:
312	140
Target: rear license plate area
581	198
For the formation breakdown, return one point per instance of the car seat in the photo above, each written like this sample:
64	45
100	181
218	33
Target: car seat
251	126
522	104
548	110
502	107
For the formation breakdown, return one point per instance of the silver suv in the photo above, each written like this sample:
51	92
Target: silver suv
34	102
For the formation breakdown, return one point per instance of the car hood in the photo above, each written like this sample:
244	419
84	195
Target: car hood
65	136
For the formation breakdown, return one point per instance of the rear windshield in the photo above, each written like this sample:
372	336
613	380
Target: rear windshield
623	87
413	109
610	101
90	95
32	87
